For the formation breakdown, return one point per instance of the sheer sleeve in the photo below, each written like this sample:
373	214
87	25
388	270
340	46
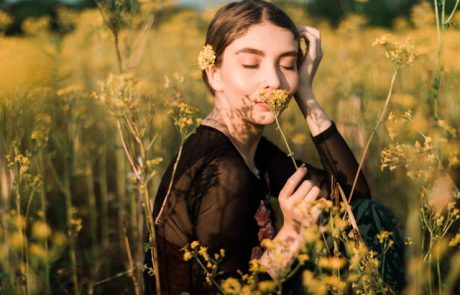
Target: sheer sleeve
336	158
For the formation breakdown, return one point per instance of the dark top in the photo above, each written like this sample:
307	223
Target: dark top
215	196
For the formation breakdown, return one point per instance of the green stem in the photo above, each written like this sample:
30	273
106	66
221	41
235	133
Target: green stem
45	242
434	91
452	13
290	153
438	270
379	121
212	278
70	231
176	163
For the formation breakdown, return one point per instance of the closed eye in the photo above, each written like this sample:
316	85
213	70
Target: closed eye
250	66
289	67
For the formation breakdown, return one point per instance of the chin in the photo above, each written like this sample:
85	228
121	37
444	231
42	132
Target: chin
263	118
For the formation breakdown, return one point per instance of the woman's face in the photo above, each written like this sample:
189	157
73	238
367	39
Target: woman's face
264	58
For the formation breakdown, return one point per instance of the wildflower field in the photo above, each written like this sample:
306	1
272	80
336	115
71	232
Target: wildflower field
92	112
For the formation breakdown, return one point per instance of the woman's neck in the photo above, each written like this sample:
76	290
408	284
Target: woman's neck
244	135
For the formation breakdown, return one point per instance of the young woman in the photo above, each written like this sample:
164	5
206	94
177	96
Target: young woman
227	167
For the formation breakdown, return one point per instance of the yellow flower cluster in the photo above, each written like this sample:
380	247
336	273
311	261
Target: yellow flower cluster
455	240
383	236
5	21
399	53
408	156
277	99
206	58
332	263
183	116
34	26
41	129
209	264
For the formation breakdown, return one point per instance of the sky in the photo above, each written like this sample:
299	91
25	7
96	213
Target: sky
200	3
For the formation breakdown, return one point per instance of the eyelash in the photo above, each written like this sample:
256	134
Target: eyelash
250	66
290	68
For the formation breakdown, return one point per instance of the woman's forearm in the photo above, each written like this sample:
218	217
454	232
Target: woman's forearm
278	260
316	118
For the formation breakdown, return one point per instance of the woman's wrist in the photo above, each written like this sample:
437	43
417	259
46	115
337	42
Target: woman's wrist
278	260
317	120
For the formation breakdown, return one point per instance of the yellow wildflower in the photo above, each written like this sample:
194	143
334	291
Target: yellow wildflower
334	282
182	115
276	99
455	240
17	240
5	20
331	262
399	53
37	251
194	244
267	286
231	286
383	235
187	256
41	230
206	58
255	266
303	258
314	286
59	239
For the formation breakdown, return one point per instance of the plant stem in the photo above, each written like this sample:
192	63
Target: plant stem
212	279
290	153
168	193
433	96
130	262
438	270
374	130
452	12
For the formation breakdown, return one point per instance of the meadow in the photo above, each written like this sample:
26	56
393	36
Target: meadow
90	114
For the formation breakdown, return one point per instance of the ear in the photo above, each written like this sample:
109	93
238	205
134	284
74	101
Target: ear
214	75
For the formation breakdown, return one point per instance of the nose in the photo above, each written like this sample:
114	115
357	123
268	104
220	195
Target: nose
272	78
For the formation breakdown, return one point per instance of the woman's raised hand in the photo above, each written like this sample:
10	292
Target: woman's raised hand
294	197
312	57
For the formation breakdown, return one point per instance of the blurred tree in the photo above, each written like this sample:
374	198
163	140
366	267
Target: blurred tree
378	12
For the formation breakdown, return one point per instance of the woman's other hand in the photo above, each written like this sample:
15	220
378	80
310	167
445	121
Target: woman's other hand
311	59
296	201
316	118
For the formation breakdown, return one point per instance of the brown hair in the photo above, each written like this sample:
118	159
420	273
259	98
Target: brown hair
233	20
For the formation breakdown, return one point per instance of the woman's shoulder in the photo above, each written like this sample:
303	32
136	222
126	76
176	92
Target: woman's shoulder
206	146
208	141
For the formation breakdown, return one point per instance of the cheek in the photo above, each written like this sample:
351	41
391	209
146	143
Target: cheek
292	81
238	82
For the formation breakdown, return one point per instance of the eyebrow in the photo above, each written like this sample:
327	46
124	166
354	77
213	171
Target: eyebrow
261	53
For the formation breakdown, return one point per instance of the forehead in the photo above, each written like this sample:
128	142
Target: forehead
265	37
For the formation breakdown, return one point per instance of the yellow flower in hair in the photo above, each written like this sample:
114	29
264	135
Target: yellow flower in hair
206	57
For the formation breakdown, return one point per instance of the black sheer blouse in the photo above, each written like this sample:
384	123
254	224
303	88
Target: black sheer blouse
215	196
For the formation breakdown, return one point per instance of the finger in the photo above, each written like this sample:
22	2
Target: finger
312	194
315	212
310	30
312	38
292	183
313	42
302	191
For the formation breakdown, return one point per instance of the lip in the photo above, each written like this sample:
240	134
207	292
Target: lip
263	105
